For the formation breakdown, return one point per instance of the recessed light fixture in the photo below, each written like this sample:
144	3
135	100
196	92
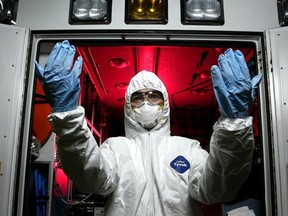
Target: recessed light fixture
118	63
121	85
199	92
205	75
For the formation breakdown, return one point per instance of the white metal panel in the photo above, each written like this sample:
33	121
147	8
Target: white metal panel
240	15
278	79
13	53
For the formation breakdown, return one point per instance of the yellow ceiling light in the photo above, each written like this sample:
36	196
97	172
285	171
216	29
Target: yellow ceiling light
146	11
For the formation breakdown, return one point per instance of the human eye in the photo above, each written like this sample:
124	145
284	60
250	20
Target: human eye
136	98
155	96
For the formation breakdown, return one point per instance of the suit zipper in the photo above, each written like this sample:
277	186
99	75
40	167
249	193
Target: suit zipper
150	175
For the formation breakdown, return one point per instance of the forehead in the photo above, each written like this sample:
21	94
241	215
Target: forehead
145	90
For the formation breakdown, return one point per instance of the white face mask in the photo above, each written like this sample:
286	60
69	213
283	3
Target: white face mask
147	114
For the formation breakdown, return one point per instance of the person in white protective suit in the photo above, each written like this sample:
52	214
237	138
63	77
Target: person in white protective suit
150	172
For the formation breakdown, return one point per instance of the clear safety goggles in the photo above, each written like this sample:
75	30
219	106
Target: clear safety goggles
153	97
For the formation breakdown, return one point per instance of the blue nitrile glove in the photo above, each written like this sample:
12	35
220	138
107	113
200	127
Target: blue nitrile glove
61	84
232	84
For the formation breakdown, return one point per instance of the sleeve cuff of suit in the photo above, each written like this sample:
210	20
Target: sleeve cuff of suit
233	124
59	120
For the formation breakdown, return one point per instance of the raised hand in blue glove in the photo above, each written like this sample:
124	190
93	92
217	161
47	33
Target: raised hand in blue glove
61	84
232	84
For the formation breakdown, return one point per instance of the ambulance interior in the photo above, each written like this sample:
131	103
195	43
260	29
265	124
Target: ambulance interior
108	67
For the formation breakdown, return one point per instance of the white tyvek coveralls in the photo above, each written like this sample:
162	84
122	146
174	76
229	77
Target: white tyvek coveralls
154	173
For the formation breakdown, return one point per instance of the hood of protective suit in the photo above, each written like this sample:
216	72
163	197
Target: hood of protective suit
145	80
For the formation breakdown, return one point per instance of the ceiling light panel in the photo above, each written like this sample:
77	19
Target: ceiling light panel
90	11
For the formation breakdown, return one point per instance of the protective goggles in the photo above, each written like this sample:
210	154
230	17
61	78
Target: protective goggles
153	97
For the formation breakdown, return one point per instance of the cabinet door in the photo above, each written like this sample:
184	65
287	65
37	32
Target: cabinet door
13	58
277	53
